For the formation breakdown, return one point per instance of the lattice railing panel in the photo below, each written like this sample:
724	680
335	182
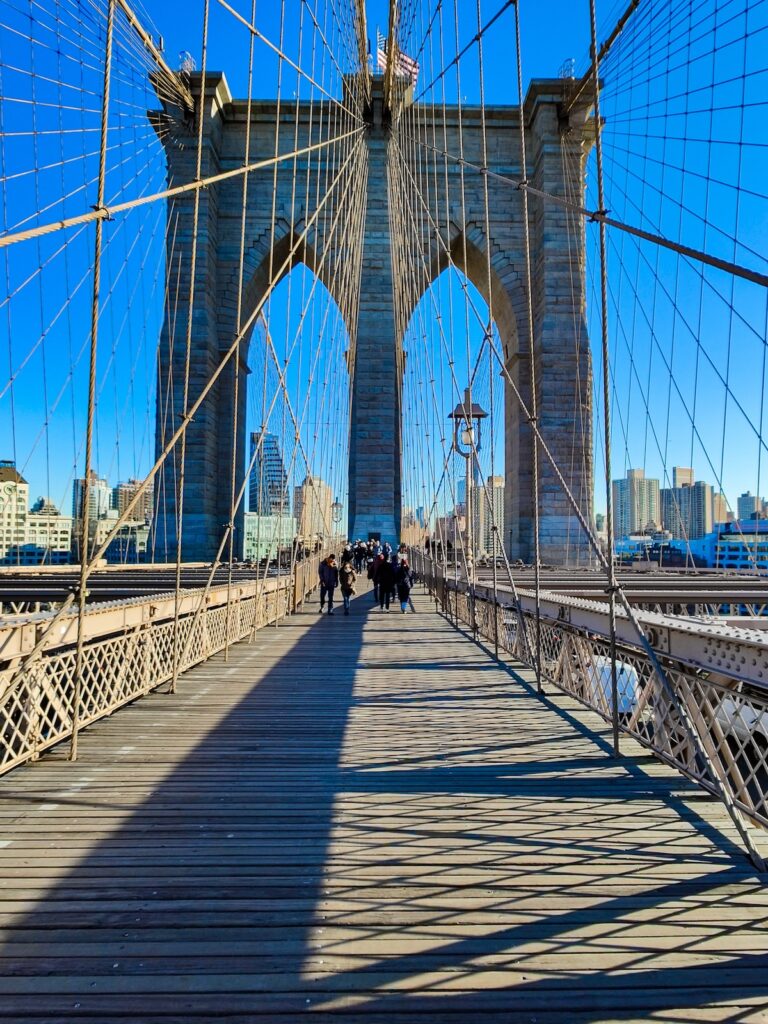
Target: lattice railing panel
730	717
36	708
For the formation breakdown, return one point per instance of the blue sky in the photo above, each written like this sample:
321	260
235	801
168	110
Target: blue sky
683	126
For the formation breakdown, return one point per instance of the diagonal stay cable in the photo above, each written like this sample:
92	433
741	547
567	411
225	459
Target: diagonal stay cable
43	641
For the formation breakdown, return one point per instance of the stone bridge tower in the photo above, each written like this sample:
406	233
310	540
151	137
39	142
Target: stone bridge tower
556	147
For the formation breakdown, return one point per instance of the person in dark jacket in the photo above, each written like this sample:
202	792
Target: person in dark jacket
404	582
385	581
395	562
329	580
347	577
361	554
373	568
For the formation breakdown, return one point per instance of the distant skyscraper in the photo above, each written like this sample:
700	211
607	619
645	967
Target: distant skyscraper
484	519
747	505
636	503
701	509
312	508
719	508
461	491
682	476
687	511
125	492
99	497
675	510
268	483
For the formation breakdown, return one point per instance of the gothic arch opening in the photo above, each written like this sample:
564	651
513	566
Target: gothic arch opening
503	291
295	411
448	349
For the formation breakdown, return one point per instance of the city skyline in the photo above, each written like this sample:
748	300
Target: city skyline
689	508
40	532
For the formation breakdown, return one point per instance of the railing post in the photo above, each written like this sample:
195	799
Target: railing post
146	641
34	717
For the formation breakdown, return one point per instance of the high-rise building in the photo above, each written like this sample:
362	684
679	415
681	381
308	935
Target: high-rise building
675	510
636	503
747	506
682	476
125	492
312	503
268	483
99	497
487	511
701	509
461	491
687	511
720	513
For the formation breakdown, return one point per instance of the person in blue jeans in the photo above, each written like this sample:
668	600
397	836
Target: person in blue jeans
404	584
347	577
329	580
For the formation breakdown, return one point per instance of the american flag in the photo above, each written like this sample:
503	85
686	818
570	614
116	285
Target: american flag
381	52
406	67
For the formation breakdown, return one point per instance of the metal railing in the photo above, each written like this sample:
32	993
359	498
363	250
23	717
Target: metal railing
128	652
715	674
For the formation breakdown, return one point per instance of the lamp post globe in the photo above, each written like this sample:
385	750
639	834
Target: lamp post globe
337	510
467	425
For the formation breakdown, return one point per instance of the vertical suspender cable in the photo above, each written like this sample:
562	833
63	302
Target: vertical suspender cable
238	329
85	491
188	348
610	567
489	510
533	417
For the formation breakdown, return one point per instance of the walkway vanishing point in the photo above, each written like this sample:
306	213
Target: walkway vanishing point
370	820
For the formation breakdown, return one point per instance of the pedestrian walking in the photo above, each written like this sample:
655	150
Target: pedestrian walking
394	561
373	569
329	580
361	554
404	581
347	577
384	581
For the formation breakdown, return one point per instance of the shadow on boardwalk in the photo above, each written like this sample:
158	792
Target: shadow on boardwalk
366	819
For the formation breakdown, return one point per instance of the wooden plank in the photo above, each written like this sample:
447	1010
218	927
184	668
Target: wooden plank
369	819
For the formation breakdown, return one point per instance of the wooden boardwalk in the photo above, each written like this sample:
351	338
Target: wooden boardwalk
367	819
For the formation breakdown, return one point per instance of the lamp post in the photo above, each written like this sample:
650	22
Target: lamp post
466	442
336	513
